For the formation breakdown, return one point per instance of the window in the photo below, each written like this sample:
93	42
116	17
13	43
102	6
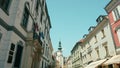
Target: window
95	39
18	56
99	19
5	4
25	18
116	13
42	2
11	53
118	34
41	17
97	50
106	49
103	33
110	66
42	64
37	6
99	66
0	36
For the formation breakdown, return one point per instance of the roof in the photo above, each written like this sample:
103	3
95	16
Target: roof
95	30
110	6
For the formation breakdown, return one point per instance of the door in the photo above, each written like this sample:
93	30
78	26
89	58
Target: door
18	56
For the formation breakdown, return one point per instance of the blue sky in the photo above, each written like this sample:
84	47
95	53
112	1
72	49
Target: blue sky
71	19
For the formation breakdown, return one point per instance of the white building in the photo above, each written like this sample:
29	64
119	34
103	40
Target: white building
59	56
13	31
76	58
24	34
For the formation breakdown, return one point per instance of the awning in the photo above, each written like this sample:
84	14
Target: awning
113	60
95	64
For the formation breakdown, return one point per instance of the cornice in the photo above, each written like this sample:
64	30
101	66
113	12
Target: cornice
111	5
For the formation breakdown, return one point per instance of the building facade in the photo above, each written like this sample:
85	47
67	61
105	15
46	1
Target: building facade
113	10
24	34
76	56
95	47
98	45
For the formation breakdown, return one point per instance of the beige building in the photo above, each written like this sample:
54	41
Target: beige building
76	55
24	34
98	45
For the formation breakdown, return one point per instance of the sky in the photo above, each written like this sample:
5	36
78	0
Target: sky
70	20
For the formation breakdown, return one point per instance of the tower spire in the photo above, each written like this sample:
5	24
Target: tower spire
60	47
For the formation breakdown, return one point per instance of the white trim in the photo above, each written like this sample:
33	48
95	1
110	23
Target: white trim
113	16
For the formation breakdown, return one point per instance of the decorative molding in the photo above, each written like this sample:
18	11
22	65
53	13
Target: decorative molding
12	28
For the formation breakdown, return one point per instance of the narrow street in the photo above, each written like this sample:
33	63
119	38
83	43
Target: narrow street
59	34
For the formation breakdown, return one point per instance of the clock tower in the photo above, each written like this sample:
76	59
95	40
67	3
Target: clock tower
59	55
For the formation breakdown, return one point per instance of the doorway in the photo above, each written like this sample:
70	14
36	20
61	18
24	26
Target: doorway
18	56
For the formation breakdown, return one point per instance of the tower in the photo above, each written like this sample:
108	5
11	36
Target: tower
59	55
60	47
